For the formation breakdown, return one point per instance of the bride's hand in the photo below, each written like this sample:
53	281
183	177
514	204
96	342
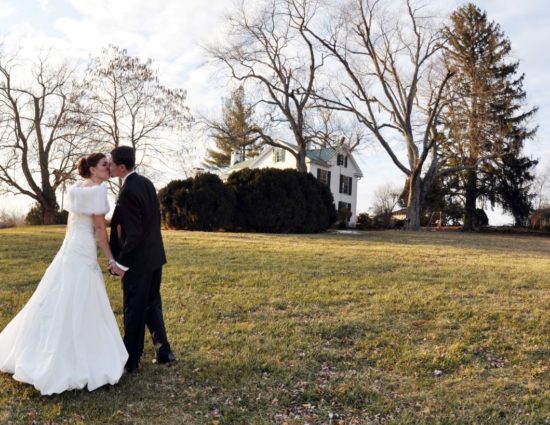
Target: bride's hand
113	268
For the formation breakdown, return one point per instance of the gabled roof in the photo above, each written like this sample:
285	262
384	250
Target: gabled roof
355	164
326	154
323	155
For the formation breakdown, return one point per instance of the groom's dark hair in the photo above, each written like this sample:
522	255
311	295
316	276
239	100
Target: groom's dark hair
124	155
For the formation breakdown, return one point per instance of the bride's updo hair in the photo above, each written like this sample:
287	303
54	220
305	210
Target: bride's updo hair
85	163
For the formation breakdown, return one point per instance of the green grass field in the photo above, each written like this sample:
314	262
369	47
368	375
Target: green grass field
376	328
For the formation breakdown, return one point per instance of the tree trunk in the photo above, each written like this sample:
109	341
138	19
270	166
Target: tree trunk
414	204
471	198
49	206
301	161
48	215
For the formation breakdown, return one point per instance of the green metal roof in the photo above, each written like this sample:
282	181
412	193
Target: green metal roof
324	154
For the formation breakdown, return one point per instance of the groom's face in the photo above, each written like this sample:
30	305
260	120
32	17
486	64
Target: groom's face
114	169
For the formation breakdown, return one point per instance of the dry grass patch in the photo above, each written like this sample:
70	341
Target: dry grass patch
379	327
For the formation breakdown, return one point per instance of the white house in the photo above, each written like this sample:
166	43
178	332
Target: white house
335	167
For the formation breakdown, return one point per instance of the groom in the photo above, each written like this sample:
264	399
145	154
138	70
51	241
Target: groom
138	250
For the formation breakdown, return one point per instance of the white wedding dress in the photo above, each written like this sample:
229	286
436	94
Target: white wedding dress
66	337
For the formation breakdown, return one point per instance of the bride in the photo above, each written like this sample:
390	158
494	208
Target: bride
66	336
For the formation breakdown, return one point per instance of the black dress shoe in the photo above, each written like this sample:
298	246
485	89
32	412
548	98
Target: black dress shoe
132	368
167	360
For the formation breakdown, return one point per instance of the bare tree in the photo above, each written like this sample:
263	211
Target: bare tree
386	198
540	188
39	143
127	105
388	80
329	128
270	50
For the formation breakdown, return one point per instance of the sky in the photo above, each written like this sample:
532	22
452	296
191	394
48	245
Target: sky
172	33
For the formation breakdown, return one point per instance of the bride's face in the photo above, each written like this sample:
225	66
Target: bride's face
101	170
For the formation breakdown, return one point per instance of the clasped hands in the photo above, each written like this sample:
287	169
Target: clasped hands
114	269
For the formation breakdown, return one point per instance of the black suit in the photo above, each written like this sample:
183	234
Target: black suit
136	242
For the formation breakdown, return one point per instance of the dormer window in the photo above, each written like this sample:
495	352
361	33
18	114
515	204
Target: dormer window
342	160
278	155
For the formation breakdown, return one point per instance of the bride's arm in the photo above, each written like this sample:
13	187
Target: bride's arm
101	235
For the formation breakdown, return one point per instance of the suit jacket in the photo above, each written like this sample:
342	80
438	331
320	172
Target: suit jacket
135	239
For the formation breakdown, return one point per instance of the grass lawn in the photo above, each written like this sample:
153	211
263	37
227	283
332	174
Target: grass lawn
374	328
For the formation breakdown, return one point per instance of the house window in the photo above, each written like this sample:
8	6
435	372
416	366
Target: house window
278	155
346	208
323	176
342	160
345	184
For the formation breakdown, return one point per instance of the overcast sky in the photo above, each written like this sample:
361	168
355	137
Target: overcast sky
171	32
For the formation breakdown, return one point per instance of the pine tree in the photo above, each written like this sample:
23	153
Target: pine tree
486	119
233	132
509	186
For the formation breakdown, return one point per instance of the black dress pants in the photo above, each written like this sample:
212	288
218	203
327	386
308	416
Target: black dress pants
143	306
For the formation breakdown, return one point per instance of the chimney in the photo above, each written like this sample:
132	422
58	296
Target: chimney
342	141
236	157
197	171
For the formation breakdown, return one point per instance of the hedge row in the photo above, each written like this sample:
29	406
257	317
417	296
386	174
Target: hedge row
260	200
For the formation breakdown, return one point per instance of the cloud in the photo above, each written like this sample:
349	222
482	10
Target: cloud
44	4
6	11
168	31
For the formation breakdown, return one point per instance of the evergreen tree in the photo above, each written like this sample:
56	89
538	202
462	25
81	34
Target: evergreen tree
233	133
509	186
486	119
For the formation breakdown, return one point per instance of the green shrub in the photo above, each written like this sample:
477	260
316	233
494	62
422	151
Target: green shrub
168	208
343	217
35	217
320	211
268	200
481	218
200	203
281	201
364	222
261	200
61	217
